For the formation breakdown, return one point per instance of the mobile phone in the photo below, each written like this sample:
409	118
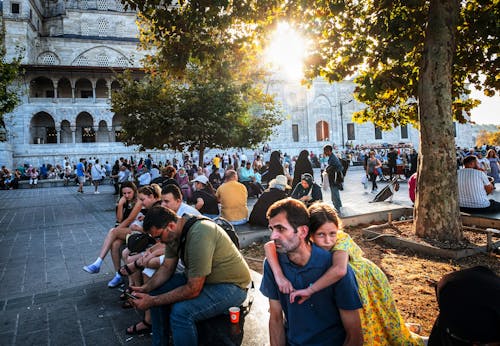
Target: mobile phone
131	296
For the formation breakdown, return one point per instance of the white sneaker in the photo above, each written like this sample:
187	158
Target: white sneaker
96	192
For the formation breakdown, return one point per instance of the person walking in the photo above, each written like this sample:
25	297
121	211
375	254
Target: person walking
372	166
334	169
97	173
80	174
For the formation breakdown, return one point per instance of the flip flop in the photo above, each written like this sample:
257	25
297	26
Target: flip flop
135	331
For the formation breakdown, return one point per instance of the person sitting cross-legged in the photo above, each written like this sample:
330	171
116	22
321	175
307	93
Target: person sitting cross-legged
474	187
307	190
215	278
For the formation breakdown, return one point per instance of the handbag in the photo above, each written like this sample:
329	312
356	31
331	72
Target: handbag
326	182
375	171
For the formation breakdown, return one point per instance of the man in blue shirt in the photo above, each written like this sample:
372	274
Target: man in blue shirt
330	316
334	167
80	174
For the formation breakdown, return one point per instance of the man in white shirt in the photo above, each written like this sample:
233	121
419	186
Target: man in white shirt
171	197
145	178
474	187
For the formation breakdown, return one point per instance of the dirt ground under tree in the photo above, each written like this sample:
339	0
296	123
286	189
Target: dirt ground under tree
412	276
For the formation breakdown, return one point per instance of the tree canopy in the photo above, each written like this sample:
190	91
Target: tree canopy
380	43
194	113
8	73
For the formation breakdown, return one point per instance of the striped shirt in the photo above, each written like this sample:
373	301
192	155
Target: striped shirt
471	192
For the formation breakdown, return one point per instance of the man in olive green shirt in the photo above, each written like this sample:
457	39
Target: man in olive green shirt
215	278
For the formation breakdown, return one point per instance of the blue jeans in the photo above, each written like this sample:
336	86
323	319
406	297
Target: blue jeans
238	222
337	203
181	317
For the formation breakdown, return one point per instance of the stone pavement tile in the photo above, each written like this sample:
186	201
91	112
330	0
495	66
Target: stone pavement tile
8	322
40	337
6	338
33	319
100	337
48	297
17	303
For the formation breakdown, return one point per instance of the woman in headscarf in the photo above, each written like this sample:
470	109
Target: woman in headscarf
277	190
303	165
307	190
275	167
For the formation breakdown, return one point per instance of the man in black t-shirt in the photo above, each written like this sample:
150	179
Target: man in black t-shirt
204	197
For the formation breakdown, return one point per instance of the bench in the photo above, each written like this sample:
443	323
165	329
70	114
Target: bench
25	184
251	330
490	224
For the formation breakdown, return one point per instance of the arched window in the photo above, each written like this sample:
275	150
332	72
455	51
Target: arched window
102	60
48	58
122	62
102	132
85	128
83	89
117	127
82	60
41	87
102	5
322	131
42	129
64	89
66	136
103	27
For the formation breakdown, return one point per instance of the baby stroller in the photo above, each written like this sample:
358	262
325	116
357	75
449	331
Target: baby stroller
387	192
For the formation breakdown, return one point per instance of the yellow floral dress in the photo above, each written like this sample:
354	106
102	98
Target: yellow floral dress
380	320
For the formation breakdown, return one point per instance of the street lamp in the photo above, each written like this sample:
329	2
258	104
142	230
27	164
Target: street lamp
342	120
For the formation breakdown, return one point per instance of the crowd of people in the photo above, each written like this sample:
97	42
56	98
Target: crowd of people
321	289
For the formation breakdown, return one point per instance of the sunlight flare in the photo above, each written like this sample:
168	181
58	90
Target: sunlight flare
286	52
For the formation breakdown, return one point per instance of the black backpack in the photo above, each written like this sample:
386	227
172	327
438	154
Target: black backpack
220	221
138	242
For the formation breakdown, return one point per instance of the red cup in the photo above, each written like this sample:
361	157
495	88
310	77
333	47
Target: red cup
234	314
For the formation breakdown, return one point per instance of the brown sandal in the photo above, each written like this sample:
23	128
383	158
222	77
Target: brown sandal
136	331
128	270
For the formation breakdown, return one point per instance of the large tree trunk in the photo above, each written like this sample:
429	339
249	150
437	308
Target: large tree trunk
437	214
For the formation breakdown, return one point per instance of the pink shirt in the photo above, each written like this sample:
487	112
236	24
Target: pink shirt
412	186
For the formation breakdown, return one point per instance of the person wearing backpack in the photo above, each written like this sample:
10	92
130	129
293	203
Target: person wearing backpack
216	277
335	176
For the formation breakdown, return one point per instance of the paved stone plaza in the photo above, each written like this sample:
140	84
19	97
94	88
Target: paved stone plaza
48	234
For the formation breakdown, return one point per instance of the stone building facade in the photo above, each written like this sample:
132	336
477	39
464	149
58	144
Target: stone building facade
72	51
